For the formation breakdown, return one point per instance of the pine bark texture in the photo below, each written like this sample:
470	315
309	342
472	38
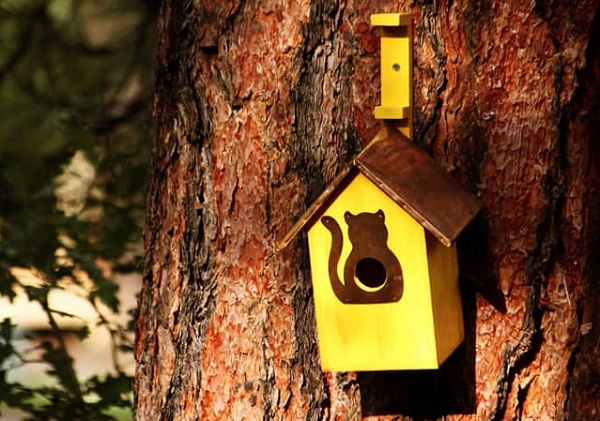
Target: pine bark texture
259	103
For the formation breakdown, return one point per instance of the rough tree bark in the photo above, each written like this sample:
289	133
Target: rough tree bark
259	103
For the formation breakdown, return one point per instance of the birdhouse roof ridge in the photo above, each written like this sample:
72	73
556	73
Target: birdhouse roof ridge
412	179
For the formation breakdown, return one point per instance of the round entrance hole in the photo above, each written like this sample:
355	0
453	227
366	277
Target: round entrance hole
370	272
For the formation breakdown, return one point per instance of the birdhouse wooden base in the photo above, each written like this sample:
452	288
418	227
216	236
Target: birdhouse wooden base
417	330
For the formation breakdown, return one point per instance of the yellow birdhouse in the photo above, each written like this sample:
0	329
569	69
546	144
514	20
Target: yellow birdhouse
381	240
383	263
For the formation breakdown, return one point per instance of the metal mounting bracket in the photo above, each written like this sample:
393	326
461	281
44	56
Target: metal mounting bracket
396	70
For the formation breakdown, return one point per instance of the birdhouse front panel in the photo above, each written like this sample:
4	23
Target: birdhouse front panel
371	277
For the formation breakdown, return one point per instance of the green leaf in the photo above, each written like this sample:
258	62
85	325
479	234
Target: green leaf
126	348
7	283
39	294
106	292
83	332
6	333
112	390
6	330
61	364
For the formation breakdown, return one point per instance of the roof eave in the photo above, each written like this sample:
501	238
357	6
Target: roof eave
318	206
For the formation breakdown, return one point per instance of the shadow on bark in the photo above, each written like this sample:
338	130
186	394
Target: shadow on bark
477	264
585	376
426	394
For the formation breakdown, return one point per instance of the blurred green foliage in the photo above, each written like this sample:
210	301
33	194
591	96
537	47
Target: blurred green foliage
76	79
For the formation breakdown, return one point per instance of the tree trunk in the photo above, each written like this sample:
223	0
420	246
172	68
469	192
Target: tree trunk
259	104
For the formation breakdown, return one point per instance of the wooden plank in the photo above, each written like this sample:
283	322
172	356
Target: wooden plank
419	185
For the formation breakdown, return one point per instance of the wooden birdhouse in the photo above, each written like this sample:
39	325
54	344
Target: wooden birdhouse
383	261
381	240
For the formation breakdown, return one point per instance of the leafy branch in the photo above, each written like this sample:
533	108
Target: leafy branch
65	94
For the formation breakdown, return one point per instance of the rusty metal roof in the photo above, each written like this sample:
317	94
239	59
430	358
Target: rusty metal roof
412	179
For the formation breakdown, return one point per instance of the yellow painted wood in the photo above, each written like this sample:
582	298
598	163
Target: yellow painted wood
391	19
445	297
396	70
392	113
390	336
420	330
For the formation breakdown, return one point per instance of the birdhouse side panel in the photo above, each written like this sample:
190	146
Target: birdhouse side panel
393	332
445	295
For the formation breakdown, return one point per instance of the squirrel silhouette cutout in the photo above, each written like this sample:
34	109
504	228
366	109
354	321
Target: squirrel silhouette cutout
372	273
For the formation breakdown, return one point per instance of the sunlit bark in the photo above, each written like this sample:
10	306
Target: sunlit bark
259	104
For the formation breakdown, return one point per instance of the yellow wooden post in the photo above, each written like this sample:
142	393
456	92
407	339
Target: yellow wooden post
396	70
